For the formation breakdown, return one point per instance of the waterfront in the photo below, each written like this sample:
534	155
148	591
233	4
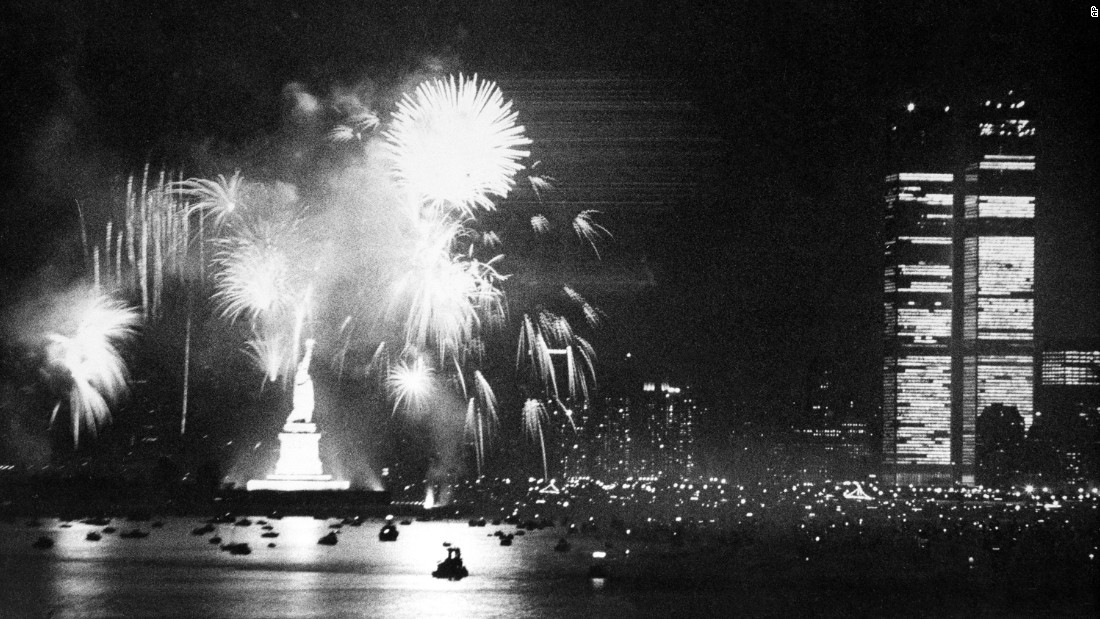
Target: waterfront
767	572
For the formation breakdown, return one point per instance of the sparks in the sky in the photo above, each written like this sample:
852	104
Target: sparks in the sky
410	384
588	230
258	270
534	417
455	144
89	354
447	298
218	199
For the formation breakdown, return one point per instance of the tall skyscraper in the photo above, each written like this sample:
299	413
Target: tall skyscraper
995	309
959	282
919	205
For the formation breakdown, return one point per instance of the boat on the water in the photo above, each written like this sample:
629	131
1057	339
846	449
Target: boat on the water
451	568
388	533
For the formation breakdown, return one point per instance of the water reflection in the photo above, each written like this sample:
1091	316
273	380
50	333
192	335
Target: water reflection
174	573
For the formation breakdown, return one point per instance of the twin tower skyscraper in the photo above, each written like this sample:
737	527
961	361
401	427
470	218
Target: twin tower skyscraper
959	281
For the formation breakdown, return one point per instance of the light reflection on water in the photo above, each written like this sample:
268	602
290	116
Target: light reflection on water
175	574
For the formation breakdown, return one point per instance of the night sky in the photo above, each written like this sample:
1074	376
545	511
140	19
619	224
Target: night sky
780	268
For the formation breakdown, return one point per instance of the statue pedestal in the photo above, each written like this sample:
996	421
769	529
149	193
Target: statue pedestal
299	466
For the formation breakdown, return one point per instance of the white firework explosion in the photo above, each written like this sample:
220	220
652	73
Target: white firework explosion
89	354
454	143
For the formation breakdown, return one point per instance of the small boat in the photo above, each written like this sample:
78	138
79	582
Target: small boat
388	533
215	540
451	568
43	543
562	546
243	522
240	548
135	534
203	530
93	537
270	534
406	523
506	540
109	530
328	540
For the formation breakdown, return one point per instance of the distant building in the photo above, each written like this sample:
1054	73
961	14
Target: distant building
669	414
1070	369
829	422
650	433
1067	407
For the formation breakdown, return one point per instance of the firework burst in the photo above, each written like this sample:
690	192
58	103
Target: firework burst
218	199
410	383
446	297
89	355
259	270
454	144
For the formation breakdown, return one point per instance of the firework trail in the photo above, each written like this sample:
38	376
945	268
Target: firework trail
540	224
481	418
149	244
89	355
588	230
270	353
534	417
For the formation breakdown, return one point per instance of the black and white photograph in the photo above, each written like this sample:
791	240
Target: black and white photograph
549	308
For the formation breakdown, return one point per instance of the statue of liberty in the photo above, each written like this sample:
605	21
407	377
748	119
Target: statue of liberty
303	390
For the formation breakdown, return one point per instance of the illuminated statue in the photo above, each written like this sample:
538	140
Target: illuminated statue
303	390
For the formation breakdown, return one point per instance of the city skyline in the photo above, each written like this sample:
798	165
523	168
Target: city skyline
777	266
